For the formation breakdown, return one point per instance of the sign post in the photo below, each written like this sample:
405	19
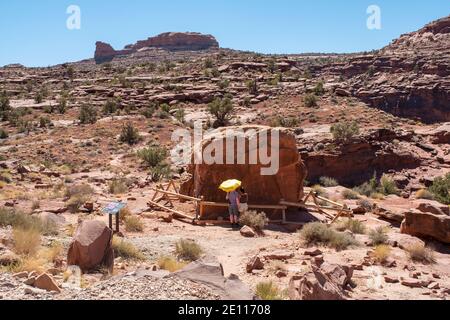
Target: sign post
113	209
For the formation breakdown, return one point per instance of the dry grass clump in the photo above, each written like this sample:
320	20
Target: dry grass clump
124	214
52	253
267	290
20	220
328	182
134	224
354	226
350	194
424	194
170	263
78	195
126	250
321	192
253	219
422	254
26	241
378	236
319	233
382	253
188	250
118	186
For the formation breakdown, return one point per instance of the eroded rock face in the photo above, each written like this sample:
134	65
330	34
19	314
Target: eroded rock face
286	184
423	224
327	282
172	41
408	78
91	246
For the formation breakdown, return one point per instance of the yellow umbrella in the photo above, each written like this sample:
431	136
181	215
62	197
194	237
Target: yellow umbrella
230	185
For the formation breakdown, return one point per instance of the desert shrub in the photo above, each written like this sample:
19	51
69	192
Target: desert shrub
368	188
26	241
221	109
124	214
39	97
424	194
366	204
328	182
381	253
130	135
126	250
110	107
319	89
44	122
134	224
321	192
387	186
88	114
285	122
353	225
3	134
350	194
310	100
78	195
62	105
180	114
29	264
160	172
153	156
5	106
170	264
377	196
118	186
52	253
148	112
223	84
209	63
22	221
378	236
344	131
319	233
441	189
268	291
188	250
255	220
422	254
252	86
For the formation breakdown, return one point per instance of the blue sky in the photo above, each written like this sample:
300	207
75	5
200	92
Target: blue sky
34	33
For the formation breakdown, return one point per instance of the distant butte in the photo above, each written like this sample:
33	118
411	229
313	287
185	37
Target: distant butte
171	41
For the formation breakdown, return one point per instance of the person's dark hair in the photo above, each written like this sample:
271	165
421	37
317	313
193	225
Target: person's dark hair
242	190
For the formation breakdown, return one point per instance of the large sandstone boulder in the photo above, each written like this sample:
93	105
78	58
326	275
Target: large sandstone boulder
421	224
327	282
91	246
286	184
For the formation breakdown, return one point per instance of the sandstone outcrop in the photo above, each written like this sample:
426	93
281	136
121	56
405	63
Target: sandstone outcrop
171	41
286	183
422	224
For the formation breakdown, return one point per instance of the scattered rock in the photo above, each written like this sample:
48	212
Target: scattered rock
422	224
279	255
255	263
46	282
248	232
313	252
389	279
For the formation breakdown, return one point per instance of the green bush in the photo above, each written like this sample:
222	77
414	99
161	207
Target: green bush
88	114
350	194
110	107
3	134
44	122
152	156
130	135
252	86
20	220
188	250
159	172
221	109
345	131
5	107
285	122
328	182
310	100
441	189
256	221
319	89
387	186
148	112
354	226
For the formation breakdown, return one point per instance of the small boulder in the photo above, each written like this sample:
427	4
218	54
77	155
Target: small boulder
248	232
166	217
279	255
46	282
422	224
255	263
313	252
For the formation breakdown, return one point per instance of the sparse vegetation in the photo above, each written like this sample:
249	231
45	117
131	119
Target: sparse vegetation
319	233
130	135
388	186
134	224
382	253
268	291
78	195
170	263
421	254
3	134
252	86
253	219
126	250
353	225
26	241
188	250
118	186
153	156
110	107
21	221
328	182
88	114
310	100
378	236
441	189
319	89
424	194
285	122
350	194
345	131
221	109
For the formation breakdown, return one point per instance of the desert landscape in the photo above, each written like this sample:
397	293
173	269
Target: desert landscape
365	135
